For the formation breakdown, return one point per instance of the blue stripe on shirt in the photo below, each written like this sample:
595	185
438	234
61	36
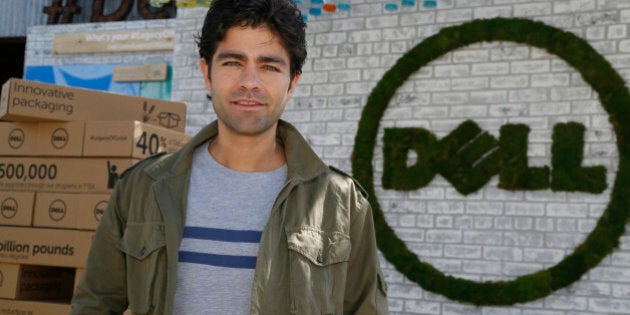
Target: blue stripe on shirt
223	235
243	262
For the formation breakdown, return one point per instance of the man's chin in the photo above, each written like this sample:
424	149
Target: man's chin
250	127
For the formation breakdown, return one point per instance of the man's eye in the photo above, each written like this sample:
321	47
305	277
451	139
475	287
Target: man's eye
231	63
271	68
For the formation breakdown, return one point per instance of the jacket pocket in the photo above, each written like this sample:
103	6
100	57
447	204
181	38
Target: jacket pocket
318	263
144	244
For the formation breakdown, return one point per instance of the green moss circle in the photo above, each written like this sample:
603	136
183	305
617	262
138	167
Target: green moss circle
615	99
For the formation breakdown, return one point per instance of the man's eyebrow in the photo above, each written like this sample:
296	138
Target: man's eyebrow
230	55
242	57
272	59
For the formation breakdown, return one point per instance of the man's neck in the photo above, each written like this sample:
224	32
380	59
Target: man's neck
258	153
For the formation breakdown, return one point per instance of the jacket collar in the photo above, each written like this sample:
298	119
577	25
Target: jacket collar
302	162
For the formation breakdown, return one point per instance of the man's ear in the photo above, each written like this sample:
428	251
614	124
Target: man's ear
294	82
205	72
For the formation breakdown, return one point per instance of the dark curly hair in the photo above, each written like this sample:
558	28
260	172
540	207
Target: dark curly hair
281	16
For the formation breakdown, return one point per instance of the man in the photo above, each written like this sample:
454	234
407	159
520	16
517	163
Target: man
245	218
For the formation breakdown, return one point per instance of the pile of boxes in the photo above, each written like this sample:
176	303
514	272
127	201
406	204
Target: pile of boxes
61	151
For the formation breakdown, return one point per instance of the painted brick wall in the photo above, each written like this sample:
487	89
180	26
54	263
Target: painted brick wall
492	234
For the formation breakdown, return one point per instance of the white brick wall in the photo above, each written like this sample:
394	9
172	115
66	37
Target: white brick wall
491	234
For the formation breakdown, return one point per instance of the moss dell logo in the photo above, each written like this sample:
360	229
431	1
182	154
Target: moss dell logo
57	210
468	157
16	138
59	138
9	208
99	209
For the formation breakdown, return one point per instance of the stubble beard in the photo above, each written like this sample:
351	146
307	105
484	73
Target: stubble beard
249	123
248	126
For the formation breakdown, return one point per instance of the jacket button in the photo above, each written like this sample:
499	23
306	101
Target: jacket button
320	258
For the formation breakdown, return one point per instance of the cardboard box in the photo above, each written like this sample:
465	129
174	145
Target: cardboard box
64	175
24	100
130	139
34	307
42	139
71	211
16	208
18	138
60	139
93	138
28	282
44	247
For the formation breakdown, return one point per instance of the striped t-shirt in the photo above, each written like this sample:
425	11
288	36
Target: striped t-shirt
226	213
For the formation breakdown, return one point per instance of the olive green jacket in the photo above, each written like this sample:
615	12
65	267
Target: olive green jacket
317	254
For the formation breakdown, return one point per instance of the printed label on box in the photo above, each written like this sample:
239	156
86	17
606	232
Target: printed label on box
70	175
28	282
44	247
130	139
24	100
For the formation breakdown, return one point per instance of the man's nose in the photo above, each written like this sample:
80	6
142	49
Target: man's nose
250	78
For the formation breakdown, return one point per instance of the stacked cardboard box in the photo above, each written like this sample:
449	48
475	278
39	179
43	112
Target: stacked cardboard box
61	152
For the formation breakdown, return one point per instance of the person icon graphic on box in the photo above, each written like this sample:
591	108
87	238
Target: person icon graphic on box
112	175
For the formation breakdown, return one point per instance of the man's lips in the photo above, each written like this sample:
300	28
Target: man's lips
248	104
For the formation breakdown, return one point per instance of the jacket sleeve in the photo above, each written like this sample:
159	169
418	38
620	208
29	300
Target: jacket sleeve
366	290
102	287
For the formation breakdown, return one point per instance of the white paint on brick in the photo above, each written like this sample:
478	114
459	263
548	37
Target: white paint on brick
456	15
532	9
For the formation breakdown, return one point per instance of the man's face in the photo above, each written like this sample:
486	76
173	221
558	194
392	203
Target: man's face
249	80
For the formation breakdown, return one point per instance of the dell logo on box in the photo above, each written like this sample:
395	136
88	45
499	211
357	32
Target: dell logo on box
9	208
16	138
57	210
59	138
